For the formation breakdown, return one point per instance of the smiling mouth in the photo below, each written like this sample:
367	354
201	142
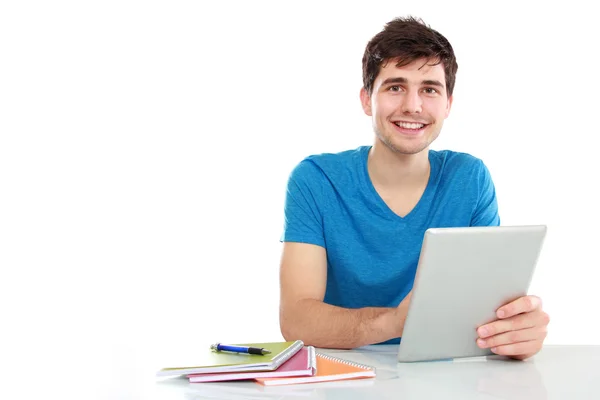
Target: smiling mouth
409	125
410	128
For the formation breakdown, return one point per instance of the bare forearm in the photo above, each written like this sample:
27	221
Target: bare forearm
323	325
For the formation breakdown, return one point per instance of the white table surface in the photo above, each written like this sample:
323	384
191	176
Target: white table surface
557	372
127	371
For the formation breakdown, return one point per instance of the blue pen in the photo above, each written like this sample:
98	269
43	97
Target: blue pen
239	349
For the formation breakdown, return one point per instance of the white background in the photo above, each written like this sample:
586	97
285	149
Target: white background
145	148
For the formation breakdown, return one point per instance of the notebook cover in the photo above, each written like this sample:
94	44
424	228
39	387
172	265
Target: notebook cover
329	368
208	361
303	363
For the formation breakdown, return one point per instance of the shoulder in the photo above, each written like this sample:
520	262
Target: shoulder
459	163
329	165
455	159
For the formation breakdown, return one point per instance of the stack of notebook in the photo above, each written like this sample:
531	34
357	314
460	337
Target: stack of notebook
288	363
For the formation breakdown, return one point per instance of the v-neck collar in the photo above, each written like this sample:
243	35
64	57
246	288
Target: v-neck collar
382	205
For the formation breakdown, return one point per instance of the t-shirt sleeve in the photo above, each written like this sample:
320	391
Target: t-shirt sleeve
303	209
486	209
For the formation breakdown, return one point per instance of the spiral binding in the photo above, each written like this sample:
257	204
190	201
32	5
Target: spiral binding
286	355
347	362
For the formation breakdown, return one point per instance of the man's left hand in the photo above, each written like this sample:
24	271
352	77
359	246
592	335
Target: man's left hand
520	330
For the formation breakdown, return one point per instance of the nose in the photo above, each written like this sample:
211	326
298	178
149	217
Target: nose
412	103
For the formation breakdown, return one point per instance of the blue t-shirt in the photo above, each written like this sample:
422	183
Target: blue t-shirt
372	253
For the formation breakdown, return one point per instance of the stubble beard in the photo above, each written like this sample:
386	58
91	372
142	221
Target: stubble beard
389	143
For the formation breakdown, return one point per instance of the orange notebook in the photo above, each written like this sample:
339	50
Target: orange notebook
329	368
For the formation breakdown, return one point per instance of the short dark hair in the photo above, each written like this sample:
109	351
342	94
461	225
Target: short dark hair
407	40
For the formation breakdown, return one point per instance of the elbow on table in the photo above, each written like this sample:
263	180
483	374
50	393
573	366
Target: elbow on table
291	329
288	330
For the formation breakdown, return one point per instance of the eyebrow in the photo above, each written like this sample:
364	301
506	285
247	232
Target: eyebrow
430	82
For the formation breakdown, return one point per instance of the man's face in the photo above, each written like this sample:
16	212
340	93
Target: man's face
408	105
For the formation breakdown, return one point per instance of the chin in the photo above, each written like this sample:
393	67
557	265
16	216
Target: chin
403	148
400	145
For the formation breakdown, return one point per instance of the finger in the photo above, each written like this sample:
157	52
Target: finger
523	335
518	349
521	305
515	323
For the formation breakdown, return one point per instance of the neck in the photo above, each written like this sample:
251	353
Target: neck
396	170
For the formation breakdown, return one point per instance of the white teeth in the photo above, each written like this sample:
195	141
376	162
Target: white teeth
409	125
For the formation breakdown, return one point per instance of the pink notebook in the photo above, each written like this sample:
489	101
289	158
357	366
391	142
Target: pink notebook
303	363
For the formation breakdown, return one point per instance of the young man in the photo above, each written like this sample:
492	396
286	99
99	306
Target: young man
355	220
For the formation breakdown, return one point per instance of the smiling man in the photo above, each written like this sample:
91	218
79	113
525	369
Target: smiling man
355	220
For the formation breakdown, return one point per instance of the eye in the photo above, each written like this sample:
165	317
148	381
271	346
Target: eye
430	90
394	88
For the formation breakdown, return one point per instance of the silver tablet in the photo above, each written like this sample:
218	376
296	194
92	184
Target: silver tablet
463	276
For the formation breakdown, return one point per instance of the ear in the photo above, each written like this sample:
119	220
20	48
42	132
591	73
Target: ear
449	106
365	101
